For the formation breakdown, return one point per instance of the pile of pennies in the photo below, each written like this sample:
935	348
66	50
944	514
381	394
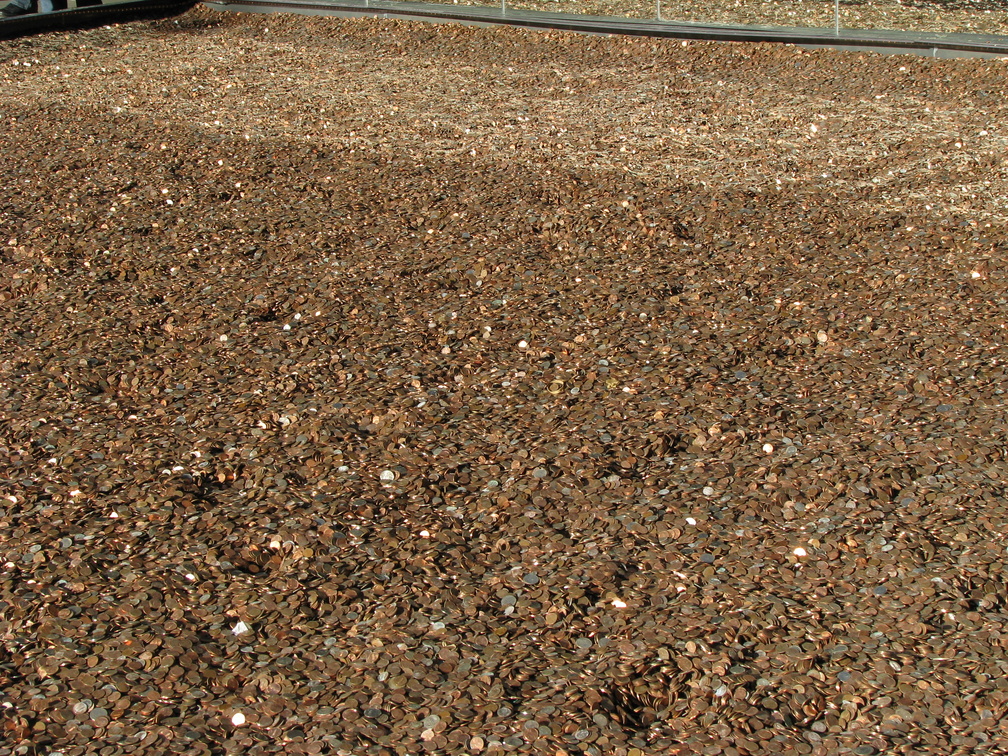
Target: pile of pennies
350	432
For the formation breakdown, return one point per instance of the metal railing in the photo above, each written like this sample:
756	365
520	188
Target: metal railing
951	34
982	17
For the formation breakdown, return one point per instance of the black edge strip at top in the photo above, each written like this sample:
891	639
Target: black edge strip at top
91	15
965	43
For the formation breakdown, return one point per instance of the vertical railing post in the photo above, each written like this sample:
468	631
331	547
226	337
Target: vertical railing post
658	9
836	17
